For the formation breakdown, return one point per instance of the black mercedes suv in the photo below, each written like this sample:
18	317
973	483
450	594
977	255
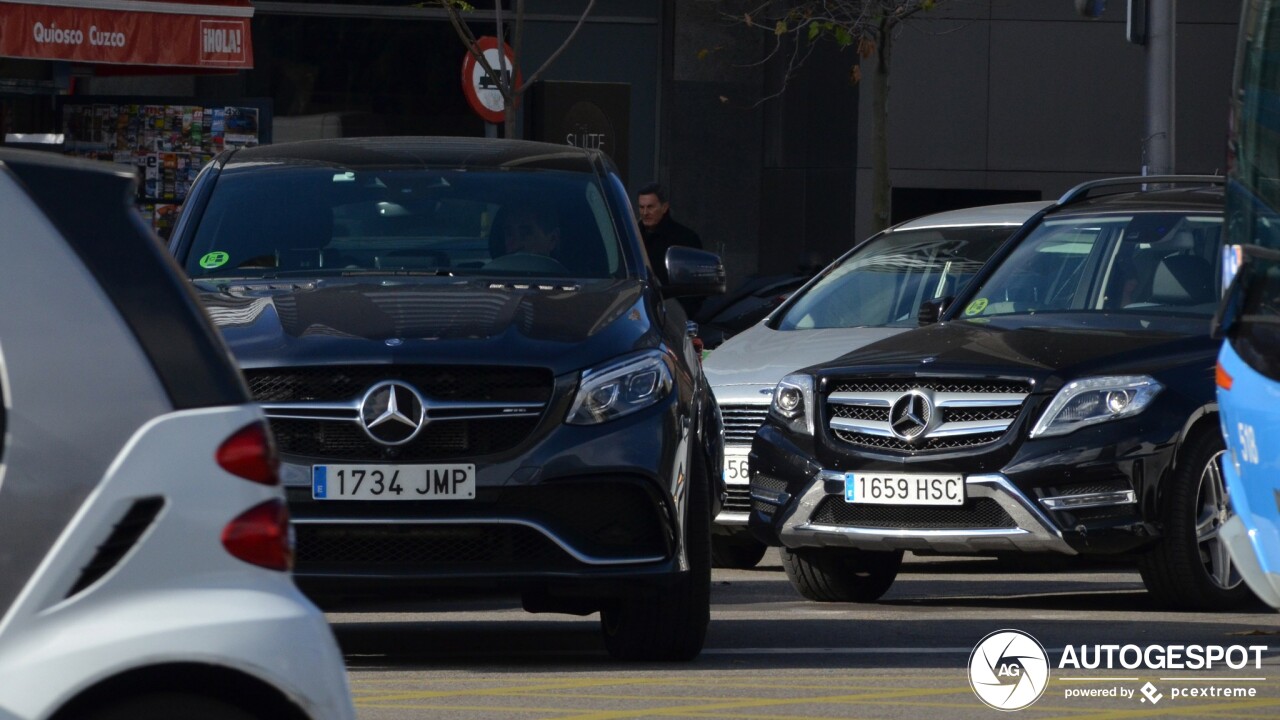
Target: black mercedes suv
475	381
1063	403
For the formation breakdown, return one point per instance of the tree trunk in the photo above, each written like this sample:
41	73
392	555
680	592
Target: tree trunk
880	133
509	129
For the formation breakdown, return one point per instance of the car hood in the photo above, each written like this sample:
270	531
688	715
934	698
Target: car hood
564	326
1050	349
760	356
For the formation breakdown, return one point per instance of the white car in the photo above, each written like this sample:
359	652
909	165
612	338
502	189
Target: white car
875	290
144	545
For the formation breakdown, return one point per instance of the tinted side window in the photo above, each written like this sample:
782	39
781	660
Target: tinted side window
1146	262
884	282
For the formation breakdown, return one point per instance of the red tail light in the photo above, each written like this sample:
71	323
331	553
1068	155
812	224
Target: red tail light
250	454
260	536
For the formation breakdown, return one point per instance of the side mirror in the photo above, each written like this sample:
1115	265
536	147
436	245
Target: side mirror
693	272
931	310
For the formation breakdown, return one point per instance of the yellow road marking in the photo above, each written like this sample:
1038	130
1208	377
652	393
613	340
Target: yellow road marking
753	703
1175	710
507	690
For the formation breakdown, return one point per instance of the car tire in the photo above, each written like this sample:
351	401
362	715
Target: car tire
1189	568
164	706
840	575
671	623
739	551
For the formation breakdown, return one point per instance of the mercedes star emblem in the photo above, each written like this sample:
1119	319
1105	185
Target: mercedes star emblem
910	415
392	412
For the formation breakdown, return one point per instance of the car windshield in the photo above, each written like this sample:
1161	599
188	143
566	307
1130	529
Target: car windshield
269	221
885	281
1157	262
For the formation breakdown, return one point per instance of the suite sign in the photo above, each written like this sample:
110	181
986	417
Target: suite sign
183	35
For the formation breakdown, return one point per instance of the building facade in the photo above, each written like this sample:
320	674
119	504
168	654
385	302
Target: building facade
990	100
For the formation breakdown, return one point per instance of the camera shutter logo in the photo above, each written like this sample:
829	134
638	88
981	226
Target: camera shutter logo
1008	670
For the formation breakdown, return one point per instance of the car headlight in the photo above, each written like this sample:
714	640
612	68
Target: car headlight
793	403
621	387
1094	400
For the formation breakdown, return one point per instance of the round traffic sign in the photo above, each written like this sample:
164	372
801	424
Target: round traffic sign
481	91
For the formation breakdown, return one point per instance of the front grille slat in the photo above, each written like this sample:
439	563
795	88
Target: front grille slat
337	383
965	412
742	421
739	499
443	438
340	440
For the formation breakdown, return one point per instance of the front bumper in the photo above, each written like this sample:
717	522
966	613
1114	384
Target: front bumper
1077	497
819	517
585	511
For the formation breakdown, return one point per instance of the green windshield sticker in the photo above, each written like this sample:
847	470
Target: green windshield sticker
976	307
214	259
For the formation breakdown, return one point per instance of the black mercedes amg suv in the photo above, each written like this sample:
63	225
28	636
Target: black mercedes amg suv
1063	404
475	381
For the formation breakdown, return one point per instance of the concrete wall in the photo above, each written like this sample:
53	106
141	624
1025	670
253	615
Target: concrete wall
986	96
1017	95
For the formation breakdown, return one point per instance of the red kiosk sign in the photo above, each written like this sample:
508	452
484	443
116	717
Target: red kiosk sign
178	33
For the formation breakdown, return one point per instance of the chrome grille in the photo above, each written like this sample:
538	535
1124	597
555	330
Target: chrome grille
742	421
315	411
739	499
892	443
956	412
321	439
977	385
329	383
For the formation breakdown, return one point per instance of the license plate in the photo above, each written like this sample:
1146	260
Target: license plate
393	482
735	465
903	489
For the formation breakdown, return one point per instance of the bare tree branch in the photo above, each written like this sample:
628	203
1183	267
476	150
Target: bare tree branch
469	41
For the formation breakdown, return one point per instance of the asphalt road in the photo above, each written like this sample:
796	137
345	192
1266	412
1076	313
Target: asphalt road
770	655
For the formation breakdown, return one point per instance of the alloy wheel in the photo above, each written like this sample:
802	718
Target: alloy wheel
1215	508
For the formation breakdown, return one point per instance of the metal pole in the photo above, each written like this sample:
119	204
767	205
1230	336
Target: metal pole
1158	145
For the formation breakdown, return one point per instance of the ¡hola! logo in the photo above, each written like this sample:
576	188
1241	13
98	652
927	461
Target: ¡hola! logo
1008	670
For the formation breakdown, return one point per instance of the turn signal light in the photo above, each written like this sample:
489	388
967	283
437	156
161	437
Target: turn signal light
260	536
250	454
1223	379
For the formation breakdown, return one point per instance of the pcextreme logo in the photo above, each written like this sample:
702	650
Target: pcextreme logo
1008	670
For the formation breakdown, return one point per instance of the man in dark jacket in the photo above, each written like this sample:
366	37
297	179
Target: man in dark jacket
659	230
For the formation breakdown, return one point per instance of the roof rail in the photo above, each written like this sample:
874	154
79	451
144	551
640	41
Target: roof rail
1081	191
